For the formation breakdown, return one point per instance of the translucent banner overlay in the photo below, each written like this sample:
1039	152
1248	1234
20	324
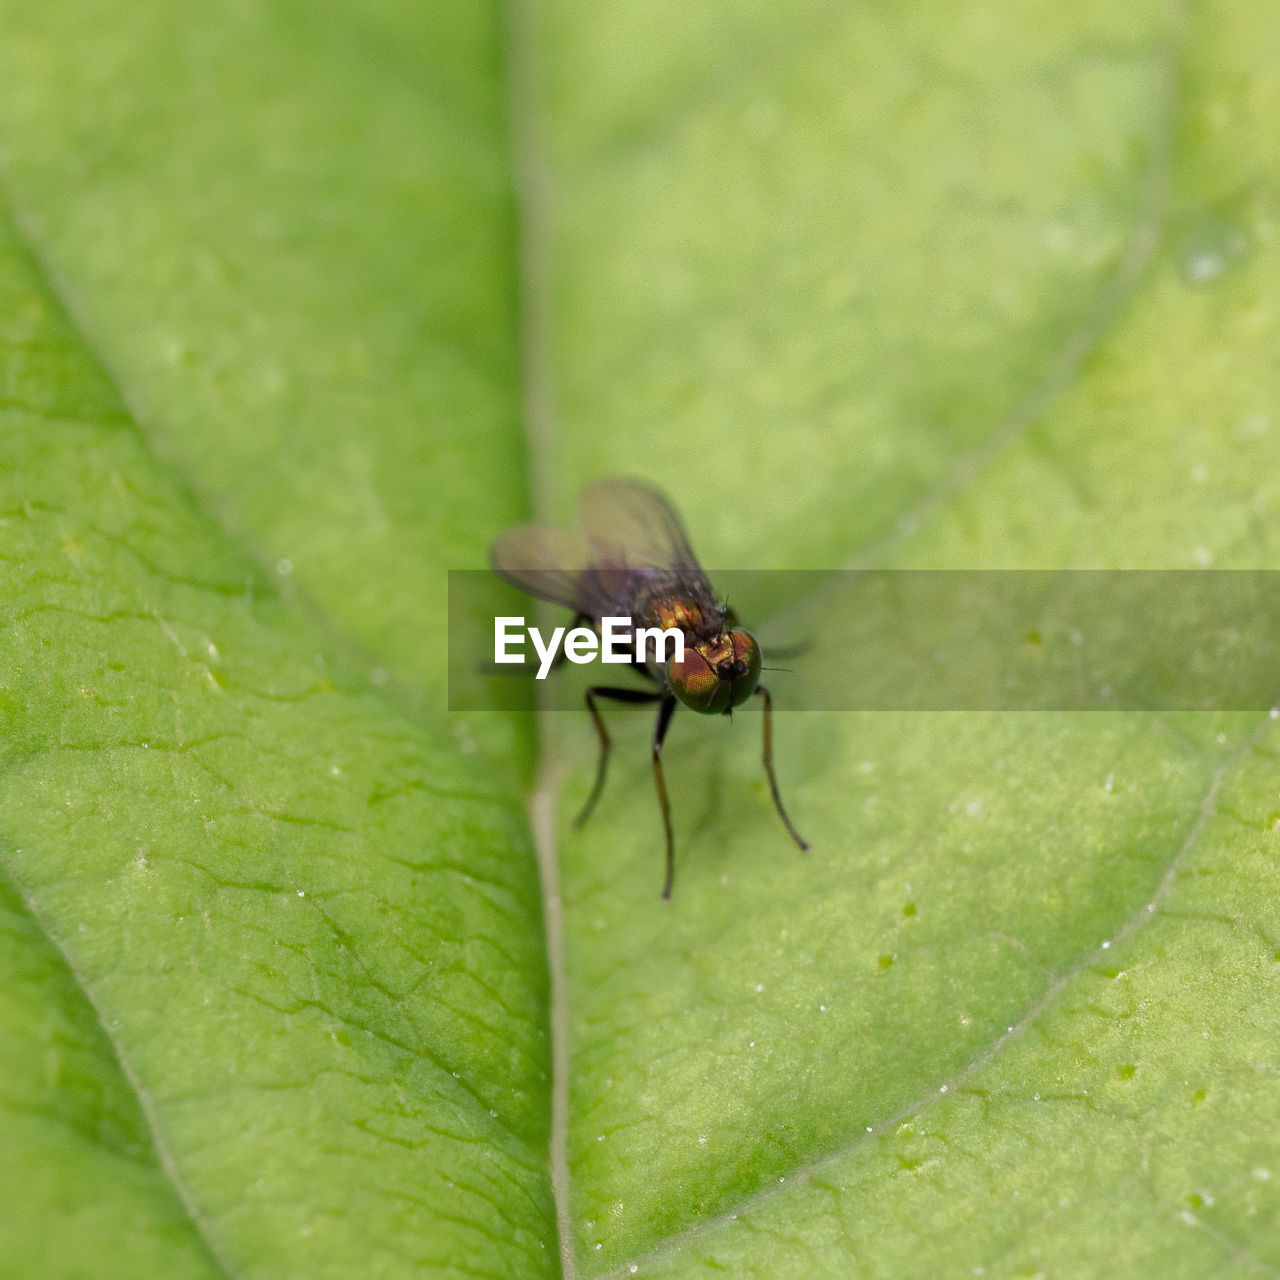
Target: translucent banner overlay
936	640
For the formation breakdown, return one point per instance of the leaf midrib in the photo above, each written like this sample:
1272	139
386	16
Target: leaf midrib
532	256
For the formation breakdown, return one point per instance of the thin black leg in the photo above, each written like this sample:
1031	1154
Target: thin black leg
762	692
665	712
602	764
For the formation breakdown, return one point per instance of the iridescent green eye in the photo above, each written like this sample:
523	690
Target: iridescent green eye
746	666
696	683
718	675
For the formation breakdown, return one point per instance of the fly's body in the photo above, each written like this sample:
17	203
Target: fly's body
631	558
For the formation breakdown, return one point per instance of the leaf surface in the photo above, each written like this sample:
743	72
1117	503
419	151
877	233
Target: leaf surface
943	286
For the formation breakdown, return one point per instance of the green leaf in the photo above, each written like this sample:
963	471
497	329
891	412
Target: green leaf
940	285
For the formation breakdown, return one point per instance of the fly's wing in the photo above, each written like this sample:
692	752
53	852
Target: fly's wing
633	533
559	565
629	532
547	564
618	513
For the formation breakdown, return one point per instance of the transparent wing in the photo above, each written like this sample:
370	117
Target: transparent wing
545	563
629	533
629	522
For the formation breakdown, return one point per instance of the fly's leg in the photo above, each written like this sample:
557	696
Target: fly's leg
665	713
762	692
602	764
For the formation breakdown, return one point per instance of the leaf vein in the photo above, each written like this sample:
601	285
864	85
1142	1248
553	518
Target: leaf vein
802	1175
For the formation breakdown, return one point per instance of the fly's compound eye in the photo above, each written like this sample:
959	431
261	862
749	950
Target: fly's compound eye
745	674
698	685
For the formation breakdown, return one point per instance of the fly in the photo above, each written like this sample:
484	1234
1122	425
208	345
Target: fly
630	557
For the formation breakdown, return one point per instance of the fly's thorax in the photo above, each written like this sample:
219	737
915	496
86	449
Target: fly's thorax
717	674
687	615
672	600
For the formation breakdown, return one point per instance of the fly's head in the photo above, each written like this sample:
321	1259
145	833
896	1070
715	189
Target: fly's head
717	675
